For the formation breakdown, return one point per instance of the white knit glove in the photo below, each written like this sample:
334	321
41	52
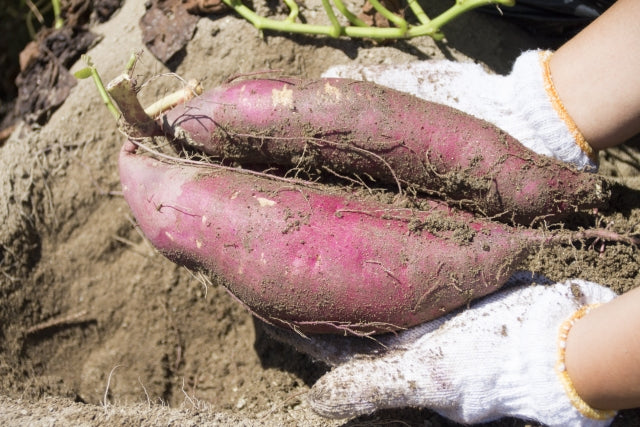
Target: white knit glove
501	357
524	103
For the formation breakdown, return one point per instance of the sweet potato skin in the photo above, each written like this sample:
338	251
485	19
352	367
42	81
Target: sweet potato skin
321	261
362	128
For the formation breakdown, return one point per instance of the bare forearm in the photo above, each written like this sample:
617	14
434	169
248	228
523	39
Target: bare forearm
603	354
597	78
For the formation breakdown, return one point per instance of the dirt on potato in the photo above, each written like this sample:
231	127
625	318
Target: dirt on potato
98	328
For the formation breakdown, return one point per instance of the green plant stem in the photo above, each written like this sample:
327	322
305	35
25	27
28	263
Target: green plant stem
347	13
463	6
293	10
429	28
418	12
398	21
335	28
104	95
58	22
91	71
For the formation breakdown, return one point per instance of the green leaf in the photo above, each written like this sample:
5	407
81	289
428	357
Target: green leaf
84	73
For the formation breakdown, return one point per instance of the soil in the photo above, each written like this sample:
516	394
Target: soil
98	328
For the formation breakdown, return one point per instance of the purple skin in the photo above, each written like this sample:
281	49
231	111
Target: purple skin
437	148
320	261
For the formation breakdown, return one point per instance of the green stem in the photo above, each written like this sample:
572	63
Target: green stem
293	10
336	28
104	95
418	11
347	13
429	28
398	21
58	21
91	71
131	64
463	6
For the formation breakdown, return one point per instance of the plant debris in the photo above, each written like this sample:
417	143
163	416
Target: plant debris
45	81
167	26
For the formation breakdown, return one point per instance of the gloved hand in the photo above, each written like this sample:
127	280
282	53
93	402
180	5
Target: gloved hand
501	357
523	103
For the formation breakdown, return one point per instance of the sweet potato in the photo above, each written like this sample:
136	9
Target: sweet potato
361	128
320	259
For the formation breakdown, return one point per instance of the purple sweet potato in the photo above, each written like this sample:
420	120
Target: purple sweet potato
352	127
319	259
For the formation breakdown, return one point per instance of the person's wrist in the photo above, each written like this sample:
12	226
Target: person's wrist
576	396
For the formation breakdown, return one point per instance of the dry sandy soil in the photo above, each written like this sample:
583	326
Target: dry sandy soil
97	328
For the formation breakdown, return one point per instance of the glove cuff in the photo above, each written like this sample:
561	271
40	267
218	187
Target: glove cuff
561	370
558	106
543	123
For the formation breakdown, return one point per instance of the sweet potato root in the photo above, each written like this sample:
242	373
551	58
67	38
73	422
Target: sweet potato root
320	260
361	128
